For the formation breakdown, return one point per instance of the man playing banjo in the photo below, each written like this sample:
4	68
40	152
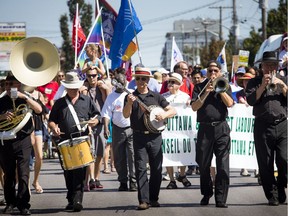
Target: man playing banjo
147	139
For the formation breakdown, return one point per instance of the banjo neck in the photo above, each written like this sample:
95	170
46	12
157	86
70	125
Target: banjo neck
138	100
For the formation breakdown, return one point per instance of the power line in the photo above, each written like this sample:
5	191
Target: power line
154	20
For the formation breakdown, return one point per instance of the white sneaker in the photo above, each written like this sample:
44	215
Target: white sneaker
244	172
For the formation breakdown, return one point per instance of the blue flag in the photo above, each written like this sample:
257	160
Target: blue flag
127	25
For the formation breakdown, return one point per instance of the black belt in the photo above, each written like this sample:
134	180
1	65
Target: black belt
142	131
215	123
123	128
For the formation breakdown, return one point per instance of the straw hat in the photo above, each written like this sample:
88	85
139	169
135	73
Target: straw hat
141	71
176	77
158	76
72	81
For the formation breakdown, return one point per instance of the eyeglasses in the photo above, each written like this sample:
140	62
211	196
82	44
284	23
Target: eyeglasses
92	75
171	81
61	75
142	78
11	83
213	70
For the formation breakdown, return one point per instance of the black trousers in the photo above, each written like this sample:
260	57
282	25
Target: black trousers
74	180
270	141
16	155
148	146
214	139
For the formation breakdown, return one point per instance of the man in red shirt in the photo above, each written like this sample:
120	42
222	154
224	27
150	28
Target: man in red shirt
187	86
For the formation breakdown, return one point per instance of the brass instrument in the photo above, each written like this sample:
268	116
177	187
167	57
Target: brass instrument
271	85
220	84
34	62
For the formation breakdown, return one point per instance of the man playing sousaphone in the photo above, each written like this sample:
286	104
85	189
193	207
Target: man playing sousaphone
146	143
69	119
15	150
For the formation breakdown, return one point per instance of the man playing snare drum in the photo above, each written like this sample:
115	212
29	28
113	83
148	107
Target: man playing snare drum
69	119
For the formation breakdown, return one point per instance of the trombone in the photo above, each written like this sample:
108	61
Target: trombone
220	84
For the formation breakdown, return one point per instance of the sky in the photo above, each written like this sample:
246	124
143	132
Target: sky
157	17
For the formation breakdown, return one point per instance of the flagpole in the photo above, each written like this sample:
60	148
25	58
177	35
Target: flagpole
171	66
136	38
76	38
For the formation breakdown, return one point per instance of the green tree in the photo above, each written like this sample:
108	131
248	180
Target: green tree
252	44
277	19
214	48
85	14
276	24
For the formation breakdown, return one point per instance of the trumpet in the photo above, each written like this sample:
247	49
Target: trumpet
271	85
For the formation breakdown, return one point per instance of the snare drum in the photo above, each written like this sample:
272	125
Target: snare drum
76	153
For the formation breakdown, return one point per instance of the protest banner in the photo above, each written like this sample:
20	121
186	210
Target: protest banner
180	135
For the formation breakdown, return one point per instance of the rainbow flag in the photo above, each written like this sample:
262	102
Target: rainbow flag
93	37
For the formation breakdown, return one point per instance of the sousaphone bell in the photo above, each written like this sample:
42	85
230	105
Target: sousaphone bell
34	62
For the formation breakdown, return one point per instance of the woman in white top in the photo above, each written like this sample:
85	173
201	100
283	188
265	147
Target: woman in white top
174	95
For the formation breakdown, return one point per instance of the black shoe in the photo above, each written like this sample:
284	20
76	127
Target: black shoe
132	186
25	212
154	204
273	201
205	200
281	195
77	206
172	185
221	205
69	207
8	209
123	187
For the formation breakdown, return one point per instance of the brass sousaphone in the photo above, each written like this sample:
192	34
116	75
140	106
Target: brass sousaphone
34	61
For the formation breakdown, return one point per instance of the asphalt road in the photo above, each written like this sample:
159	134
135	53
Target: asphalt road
245	197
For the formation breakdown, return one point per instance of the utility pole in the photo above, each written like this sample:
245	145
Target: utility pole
263	6
220	20
235	28
205	23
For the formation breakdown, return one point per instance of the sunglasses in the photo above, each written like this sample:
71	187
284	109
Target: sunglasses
60	75
142	78
92	75
215	70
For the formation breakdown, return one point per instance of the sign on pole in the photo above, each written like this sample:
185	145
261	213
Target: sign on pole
10	34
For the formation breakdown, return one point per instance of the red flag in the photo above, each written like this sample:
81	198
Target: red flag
81	38
128	68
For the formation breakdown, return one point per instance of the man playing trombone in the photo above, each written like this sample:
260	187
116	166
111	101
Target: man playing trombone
210	99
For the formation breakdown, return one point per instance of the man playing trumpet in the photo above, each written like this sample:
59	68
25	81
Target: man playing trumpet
213	134
15	151
267	94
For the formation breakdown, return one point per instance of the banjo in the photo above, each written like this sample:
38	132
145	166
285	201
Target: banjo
153	125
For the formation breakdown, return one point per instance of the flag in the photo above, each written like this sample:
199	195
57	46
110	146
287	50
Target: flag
93	37
222	60
77	30
127	25
176	55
